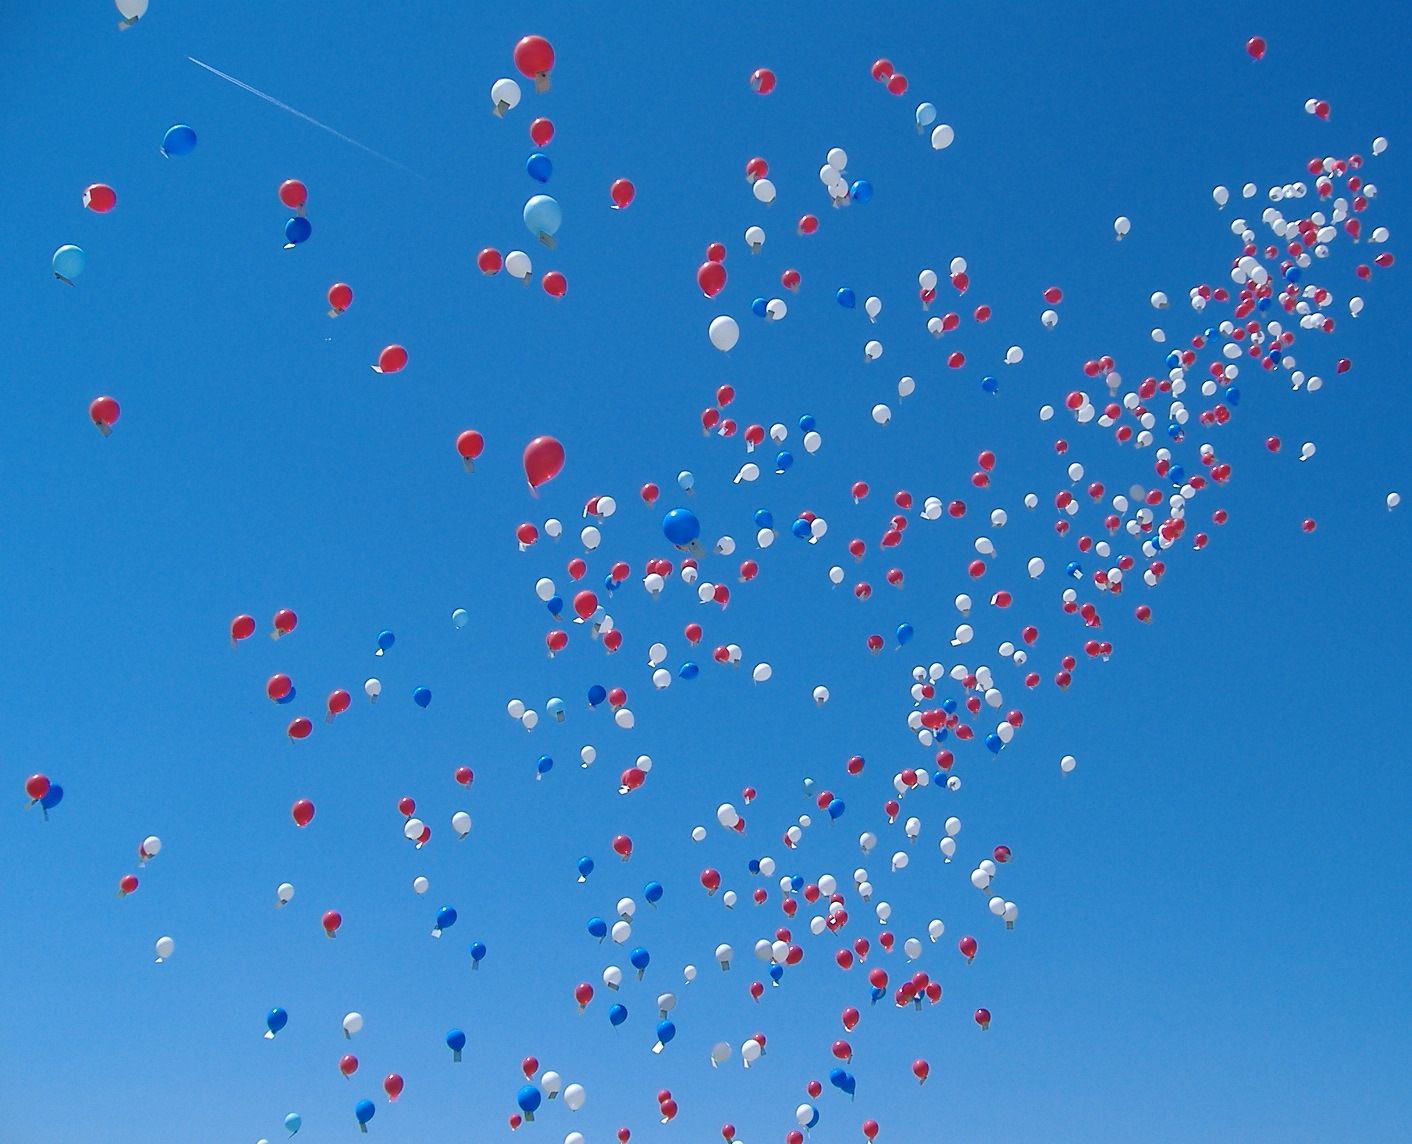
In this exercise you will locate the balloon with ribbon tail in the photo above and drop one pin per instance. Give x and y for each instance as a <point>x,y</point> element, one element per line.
<point>131,12</point>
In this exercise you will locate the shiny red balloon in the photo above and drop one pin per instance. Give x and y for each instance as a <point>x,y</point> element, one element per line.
<point>543,460</point>
<point>302,812</point>
<point>555,284</point>
<point>126,885</point>
<point>469,445</point>
<point>1255,47</point>
<point>762,81</point>
<point>285,621</point>
<point>299,728</point>
<point>391,359</point>
<point>534,58</point>
<point>99,198</point>
<point>711,278</point>
<point>241,628</point>
<point>622,192</point>
<point>331,920</point>
<point>541,131</point>
<point>392,1084</point>
<point>489,261</point>
<point>338,702</point>
<point>278,686</point>
<point>348,1065</point>
<point>293,194</point>
<point>104,413</point>
<point>340,297</point>
<point>37,786</point>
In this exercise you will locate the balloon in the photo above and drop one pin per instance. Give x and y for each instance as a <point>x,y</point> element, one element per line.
<point>132,11</point>
<point>762,81</point>
<point>477,952</point>
<point>421,696</point>
<point>99,198</point>
<point>364,1111</point>
<point>104,413</point>
<point>348,1064</point>
<point>543,216</point>
<point>292,1123</point>
<point>1255,47</point>
<point>68,263</point>
<point>340,297</point>
<point>164,947</point>
<point>275,1020</point>
<point>541,131</point>
<point>392,1084</point>
<point>534,59</point>
<point>179,140</point>
<point>372,688</point>
<point>504,96</point>
<point>1121,226</point>
<point>681,527</point>
<point>543,461</point>
<point>724,333</point>
<point>302,812</point>
<point>455,1041</point>
<point>539,167</point>
<point>666,1030</point>
<point>293,194</point>
<point>622,193</point>
<point>391,359</point>
<point>943,135</point>
<point>555,284</point>
<point>445,919</point>
<point>469,446</point>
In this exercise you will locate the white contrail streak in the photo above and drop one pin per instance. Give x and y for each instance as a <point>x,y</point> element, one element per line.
<point>296,112</point>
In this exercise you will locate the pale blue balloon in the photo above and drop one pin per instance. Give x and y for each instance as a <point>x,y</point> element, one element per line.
<point>68,263</point>
<point>543,216</point>
<point>460,618</point>
<point>293,1122</point>
<point>926,114</point>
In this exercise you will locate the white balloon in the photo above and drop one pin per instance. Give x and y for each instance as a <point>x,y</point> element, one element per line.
<point>284,894</point>
<point>764,191</point>
<point>163,948</point>
<point>882,414</point>
<point>1122,225</point>
<point>1068,763</point>
<point>372,688</point>
<point>612,977</point>
<point>518,265</point>
<point>906,386</point>
<point>755,238</point>
<point>574,1096</point>
<point>504,95</point>
<point>1014,355</point>
<point>724,333</point>
<point>872,307</point>
<point>821,695</point>
<point>762,672</point>
<point>412,828</point>
<point>620,932</point>
<point>420,885</point>
<point>461,823</point>
<point>1393,500</point>
<point>352,1023</point>
<point>943,135</point>
<point>544,588</point>
<point>838,159</point>
<point>549,1082</point>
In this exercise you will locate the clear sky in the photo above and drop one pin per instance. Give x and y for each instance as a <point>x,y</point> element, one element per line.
<point>1212,942</point>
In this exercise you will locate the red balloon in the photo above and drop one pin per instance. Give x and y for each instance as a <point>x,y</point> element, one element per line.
<point>340,297</point>
<point>338,703</point>
<point>1255,47</point>
<point>36,786</point>
<point>728,1132</point>
<point>669,1110</point>
<point>555,284</point>
<point>622,847</point>
<point>489,261</point>
<point>967,946</point>
<point>299,728</point>
<point>624,1135</point>
<point>465,776</point>
<point>556,641</point>
<point>762,81</point>
<point>650,493</point>
<point>278,686</point>
<point>541,131</point>
<point>794,1136</point>
<point>982,1018</point>
<point>332,919</point>
<point>622,193</point>
<point>756,168</point>
<point>406,806</point>
<point>534,57</point>
<point>921,1070</point>
<point>529,1066</point>
<point>104,413</point>
<point>470,445</point>
<point>285,622</point>
<point>293,194</point>
<point>711,278</point>
<point>348,1065</point>
<point>843,1050</point>
<point>126,885</point>
<point>882,70</point>
<point>99,198</point>
<point>716,252</point>
<point>870,1128</point>
<point>583,994</point>
<point>808,224</point>
<point>896,84</point>
<point>392,359</point>
<point>302,812</point>
<point>585,604</point>
<point>613,640</point>
<point>392,1085</point>
<point>526,534</point>
<point>543,460</point>
<point>241,628</point>
<point>711,880</point>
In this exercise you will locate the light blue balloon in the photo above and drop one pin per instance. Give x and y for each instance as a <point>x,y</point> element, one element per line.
<point>686,481</point>
<point>460,618</point>
<point>68,263</point>
<point>681,527</point>
<point>293,1122</point>
<point>538,167</point>
<point>179,140</point>
<point>543,215</point>
<point>926,114</point>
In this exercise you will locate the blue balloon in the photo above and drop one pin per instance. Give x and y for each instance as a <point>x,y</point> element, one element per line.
<point>844,1081</point>
<point>753,865</point>
<point>585,865</point>
<point>878,995</point>
<point>993,743</point>
<point>665,1032</point>
<point>288,696</point>
<point>598,928</point>
<point>846,298</point>
<point>610,585</point>
<point>1074,569</point>
<point>990,384</point>
<point>653,892</point>
<point>445,917</point>
<point>806,423</point>
<point>764,518</point>
<point>801,529</point>
<point>297,230</point>
<point>596,694</point>
<point>275,1020</point>
<point>688,671</point>
<point>757,307</point>
<point>639,958</point>
<point>836,809</point>
<point>862,191</point>
<point>455,1041</point>
<point>385,641</point>
<point>538,167</point>
<point>783,460</point>
<point>364,1110</point>
<point>422,696</point>
<point>776,972</point>
<point>1174,358</point>
<point>477,953</point>
<point>1233,396</point>
<point>68,263</point>
<point>904,634</point>
<point>293,1122</point>
<point>52,797</point>
<point>542,216</point>
<point>528,1098</point>
<point>681,527</point>
<point>617,1014</point>
<point>796,882</point>
<point>544,765</point>
<point>179,140</point>
<point>555,707</point>
<point>949,705</point>
<point>1177,475</point>
<point>460,618</point>
<point>1292,274</point>
<point>555,604</point>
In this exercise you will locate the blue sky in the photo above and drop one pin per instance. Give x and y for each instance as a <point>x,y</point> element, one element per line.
<point>1210,942</point>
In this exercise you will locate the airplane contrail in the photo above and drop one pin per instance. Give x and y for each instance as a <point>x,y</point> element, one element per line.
<point>296,112</point>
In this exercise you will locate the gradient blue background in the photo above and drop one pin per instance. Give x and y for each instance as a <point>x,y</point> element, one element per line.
<point>1212,941</point>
